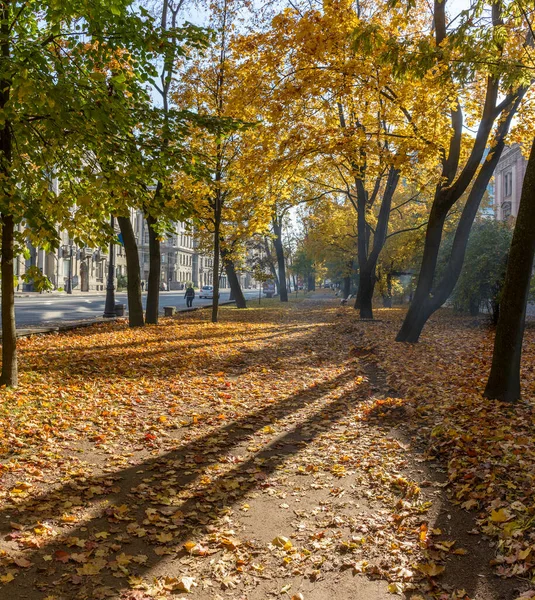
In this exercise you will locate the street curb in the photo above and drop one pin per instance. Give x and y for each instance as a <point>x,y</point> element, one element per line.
<point>56,294</point>
<point>194,308</point>
<point>22,333</point>
<point>25,332</point>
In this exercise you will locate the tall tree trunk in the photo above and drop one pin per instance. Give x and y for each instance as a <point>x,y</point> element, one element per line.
<point>364,298</point>
<point>279,251</point>
<point>153,283</point>
<point>271,264</point>
<point>135,306</point>
<point>347,286</point>
<point>215,277</point>
<point>368,260</point>
<point>428,298</point>
<point>419,310</point>
<point>311,286</point>
<point>387,298</point>
<point>217,251</point>
<point>362,239</point>
<point>504,379</point>
<point>236,292</point>
<point>9,375</point>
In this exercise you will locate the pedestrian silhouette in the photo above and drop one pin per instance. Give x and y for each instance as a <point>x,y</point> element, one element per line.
<point>189,295</point>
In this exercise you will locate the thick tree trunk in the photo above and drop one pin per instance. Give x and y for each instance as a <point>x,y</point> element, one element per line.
<point>279,251</point>
<point>311,285</point>
<point>217,253</point>
<point>428,298</point>
<point>9,375</point>
<point>235,287</point>
<point>419,310</point>
<point>135,306</point>
<point>271,264</point>
<point>365,294</point>
<point>504,379</point>
<point>153,284</point>
<point>236,292</point>
<point>387,297</point>
<point>347,286</point>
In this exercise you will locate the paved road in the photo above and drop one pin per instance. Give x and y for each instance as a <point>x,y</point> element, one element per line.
<point>42,309</point>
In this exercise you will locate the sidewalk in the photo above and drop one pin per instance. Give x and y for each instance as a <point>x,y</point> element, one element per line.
<point>55,293</point>
<point>56,326</point>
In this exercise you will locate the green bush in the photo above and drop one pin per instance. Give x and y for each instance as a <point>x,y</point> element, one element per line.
<point>481,280</point>
<point>122,282</point>
<point>40,282</point>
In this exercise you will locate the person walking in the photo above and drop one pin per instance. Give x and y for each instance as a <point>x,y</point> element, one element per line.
<point>189,295</point>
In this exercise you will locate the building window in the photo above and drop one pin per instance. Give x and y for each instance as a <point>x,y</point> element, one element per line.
<point>506,210</point>
<point>508,184</point>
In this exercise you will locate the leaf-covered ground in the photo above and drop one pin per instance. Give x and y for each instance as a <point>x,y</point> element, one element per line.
<point>488,447</point>
<point>261,457</point>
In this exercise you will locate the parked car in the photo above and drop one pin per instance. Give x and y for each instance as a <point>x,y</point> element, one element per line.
<point>207,291</point>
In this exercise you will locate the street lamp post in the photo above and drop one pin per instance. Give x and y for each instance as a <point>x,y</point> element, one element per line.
<point>69,278</point>
<point>169,268</point>
<point>109,308</point>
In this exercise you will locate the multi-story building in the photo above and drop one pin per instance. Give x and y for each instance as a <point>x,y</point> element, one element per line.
<point>181,261</point>
<point>83,267</point>
<point>508,179</point>
<point>86,269</point>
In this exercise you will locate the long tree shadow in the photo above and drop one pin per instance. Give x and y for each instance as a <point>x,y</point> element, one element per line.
<point>57,360</point>
<point>177,355</point>
<point>185,494</point>
<point>466,556</point>
<point>141,504</point>
<point>471,572</point>
<point>279,354</point>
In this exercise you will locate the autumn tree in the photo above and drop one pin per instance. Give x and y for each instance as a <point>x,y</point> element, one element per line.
<point>480,55</point>
<point>346,118</point>
<point>332,238</point>
<point>53,99</point>
<point>504,379</point>
<point>226,203</point>
<point>167,137</point>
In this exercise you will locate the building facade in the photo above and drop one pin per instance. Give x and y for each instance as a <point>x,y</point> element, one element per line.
<point>86,269</point>
<point>181,261</point>
<point>508,178</point>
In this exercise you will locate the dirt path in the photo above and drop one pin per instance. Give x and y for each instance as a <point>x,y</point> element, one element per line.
<point>254,464</point>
